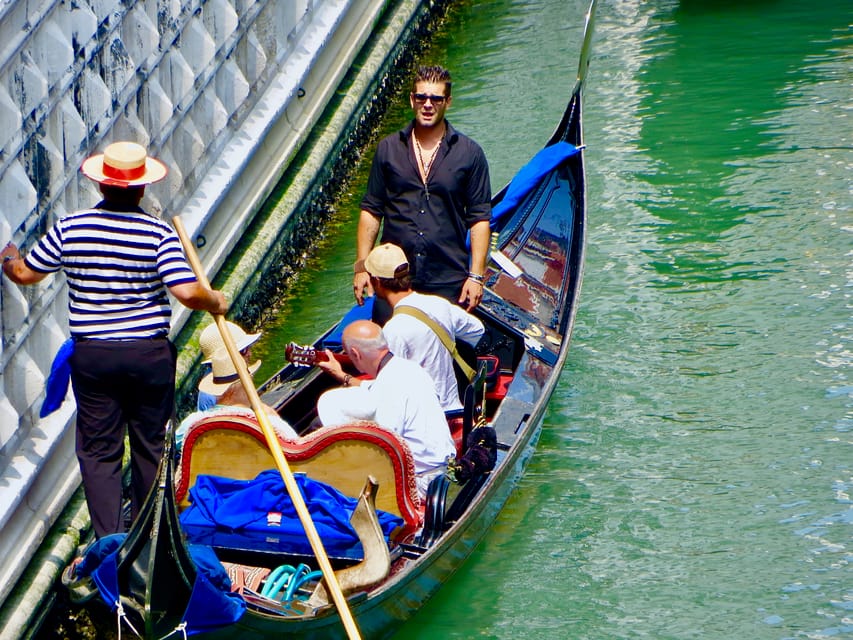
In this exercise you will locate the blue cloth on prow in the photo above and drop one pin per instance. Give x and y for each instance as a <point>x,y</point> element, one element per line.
<point>212,605</point>
<point>58,379</point>
<point>529,176</point>
<point>334,340</point>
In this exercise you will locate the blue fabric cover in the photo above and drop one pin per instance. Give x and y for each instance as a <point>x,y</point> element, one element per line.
<point>358,312</point>
<point>252,506</point>
<point>529,176</point>
<point>211,605</point>
<point>205,401</point>
<point>58,379</point>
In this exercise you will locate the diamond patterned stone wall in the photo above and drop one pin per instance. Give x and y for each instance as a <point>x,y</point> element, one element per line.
<point>185,78</point>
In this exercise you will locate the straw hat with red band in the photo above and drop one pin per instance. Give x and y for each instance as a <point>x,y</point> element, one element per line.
<point>124,164</point>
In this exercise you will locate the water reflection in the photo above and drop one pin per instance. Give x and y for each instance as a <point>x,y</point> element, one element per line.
<point>739,149</point>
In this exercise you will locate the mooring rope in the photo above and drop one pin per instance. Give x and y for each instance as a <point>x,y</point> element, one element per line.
<point>120,615</point>
<point>181,627</point>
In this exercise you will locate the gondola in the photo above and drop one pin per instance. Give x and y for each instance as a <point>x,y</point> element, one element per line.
<point>154,577</point>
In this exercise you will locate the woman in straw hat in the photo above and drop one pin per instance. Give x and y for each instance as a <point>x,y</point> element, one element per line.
<point>224,386</point>
<point>119,262</point>
<point>211,341</point>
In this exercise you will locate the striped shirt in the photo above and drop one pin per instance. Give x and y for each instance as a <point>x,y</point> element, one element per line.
<point>118,265</point>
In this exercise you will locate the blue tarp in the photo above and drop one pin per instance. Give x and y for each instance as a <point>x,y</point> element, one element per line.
<point>261,509</point>
<point>334,340</point>
<point>211,604</point>
<point>529,176</point>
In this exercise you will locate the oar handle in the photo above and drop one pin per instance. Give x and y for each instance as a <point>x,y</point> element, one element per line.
<point>273,444</point>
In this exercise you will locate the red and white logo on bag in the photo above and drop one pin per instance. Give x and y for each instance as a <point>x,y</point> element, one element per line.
<point>274,518</point>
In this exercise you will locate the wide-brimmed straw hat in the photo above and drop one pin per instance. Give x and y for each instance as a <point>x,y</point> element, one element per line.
<point>211,340</point>
<point>223,375</point>
<point>386,261</point>
<point>123,164</point>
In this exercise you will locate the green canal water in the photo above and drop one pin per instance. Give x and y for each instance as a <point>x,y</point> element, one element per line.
<point>694,474</point>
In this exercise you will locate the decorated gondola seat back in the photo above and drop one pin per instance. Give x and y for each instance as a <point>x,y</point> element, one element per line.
<point>341,456</point>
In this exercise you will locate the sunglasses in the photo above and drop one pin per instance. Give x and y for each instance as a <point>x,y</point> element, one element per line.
<point>421,98</point>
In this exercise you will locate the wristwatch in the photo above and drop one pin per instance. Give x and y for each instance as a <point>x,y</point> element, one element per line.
<point>358,267</point>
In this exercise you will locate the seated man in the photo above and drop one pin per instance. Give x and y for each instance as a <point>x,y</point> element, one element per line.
<point>400,397</point>
<point>411,338</point>
<point>211,341</point>
<point>223,384</point>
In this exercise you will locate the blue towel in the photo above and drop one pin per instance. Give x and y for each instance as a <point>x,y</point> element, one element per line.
<point>262,509</point>
<point>530,175</point>
<point>58,379</point>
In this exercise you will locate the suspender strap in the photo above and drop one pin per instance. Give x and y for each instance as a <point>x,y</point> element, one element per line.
<point>439,331</point>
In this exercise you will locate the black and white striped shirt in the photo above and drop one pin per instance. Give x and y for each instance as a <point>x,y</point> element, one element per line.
<point>118,265</point>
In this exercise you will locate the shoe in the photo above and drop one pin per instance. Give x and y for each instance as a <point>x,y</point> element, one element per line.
<point>80,589</point>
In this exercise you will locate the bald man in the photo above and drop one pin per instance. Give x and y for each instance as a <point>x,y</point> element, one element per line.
<point>400,397</point>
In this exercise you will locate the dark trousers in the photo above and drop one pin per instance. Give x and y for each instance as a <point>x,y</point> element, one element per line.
<point>121,386</point>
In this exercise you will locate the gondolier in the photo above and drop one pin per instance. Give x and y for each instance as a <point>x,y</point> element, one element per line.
<point>119,262</point>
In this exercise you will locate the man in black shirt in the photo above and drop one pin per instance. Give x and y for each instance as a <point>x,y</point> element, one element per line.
<point>428,189</point>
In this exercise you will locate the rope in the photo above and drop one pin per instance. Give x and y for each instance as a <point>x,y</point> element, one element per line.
<point>181,627</point>
<point>120,615</point>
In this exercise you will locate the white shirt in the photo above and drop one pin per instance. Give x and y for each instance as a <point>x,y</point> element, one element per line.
<point>410,338</point>
<point>401,399</point>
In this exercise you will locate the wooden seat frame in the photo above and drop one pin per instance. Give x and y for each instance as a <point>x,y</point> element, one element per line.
<point>234,446</point>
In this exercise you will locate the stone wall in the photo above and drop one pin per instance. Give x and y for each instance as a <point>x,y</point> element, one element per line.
<point>224,91</point>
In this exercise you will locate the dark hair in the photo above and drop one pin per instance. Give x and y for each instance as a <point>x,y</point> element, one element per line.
<point>433,74</point>
<point>400,282</point>
<point>122,195</point>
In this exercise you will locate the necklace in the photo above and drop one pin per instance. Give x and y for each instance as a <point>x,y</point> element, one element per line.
<point>427,164</point>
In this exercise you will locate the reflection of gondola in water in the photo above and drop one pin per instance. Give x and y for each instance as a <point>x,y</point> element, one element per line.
<point>162,585</point>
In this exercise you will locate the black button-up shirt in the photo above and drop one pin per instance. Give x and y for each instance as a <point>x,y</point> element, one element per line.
<point>430,221</point>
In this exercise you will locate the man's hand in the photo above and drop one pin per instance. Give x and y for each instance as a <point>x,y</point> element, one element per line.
<point>331,366</point>
<point>14,267</point>
<point>472,294</point>
<point>366,234</point>
<point>360,285</point>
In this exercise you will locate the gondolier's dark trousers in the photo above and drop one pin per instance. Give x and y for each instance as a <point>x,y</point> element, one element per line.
<point>121,386</point>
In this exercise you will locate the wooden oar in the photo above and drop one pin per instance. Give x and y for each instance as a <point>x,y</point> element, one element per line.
<point>273,444</point>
